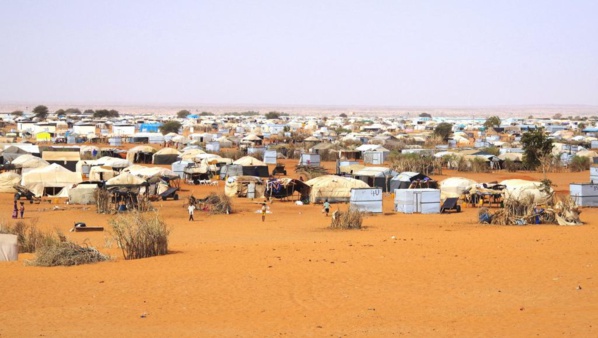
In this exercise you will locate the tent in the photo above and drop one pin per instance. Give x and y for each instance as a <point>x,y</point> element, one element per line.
<point>253,167</point>
<point>455,186</point>
<point>190,154</point>
<point>12,152</point>
<point>140,154</point>
<point>99,173</point>
<point>404,180</point>
<point>165,156</point>
<point>82,194</point>
<point>8,180</point>
<point>245,186</point>
<point>125,179</point>
<point>67,159</point>
<point>29,162</point>
<point>521,189</point>
<point>43,136</point>
<point>147,172</point>
<point>49,180</point>
<point>376,176</point>
<point>333,188</point>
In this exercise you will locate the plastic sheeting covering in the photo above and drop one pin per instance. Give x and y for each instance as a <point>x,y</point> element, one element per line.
<point>9,248</point>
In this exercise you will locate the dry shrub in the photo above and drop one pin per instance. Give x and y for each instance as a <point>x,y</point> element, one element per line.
<point>29,237</point>
<point>67,254</point>
<point>561,211</point>
<point>579,163</point>
<point>218,203</point>
<point>140,235</point>
<point>351,219</point>
<point>310,171</point>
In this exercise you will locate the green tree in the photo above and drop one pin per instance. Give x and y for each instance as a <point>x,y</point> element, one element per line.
<point>170,127</point>
<point>41,112</point>
<point>88,112</point>
<point>73,111</point>
<point>273,115</point>
<point>536,146</point>
<point>17,113</point>
<point>206,113</point>
<point>443,130</point>
<point>183,114</point>
<point>492,121</point>
<point>343,115</point>
<point>425,115</point>
<point>557,116</point>
<point>105,113</point>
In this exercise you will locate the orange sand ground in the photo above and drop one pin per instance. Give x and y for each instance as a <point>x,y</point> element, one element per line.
<point>232,275</point>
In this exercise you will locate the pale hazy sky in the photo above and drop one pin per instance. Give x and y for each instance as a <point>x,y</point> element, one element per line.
<point>380,53</point>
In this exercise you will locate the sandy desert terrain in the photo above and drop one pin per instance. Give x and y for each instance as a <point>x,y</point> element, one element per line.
<point>232,275</point>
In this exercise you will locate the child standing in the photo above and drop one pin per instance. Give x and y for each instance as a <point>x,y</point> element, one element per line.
<point>326,207</point>
<point>22,209</point>
<point>191,210</point>
<point>264,210</point>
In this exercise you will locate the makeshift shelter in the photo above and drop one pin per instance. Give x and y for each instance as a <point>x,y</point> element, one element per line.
<point>83,194</point>
<point>8,180</point>
<point>190,154</point>
<point>67,159</point>
<point>178,167</point>
<point>376,177</point>
<point>140,154</point>
<point>43,136</point>
<point>49,180</point>
<point>26,163</point>
<point>245,186</point>
<point>123,192</point>
<point>147,172</point>
<point>310,160</point>
<point>231,170</point>
<point>367,199</point>
<point>519,190</point>
<point>253,167</point>
<point>333,188</point>
<point>165,156</point>
<point>425,201</point>
<point>282,188</point>
<point>406,179</point>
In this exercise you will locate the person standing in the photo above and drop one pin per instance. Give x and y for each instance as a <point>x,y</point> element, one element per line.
<point>22,209</point>
<point>264,210</point>
<point>15,211</point>
<point>191,210</point>
<point>326,207</point>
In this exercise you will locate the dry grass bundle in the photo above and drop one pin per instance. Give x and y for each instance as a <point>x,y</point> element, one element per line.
<point>351,219</point>
<point>67,254</point>
<point>140,235</point>
<point>424,164</point>
<point>218,203</point>
<point>29,237</point>
<point>310,172</point>
<point>525,211</point>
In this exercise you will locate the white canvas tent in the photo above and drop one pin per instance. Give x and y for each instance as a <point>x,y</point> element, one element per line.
<point>8,180</point>
<point>53,176</point>
<point>455,186</point>
<point>520,189</point>
<point>29,162</point>
<point>82,194</point>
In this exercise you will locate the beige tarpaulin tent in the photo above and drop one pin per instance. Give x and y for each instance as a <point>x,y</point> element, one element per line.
<point>82,194</point>
<point>249,161</point>
<point>333,188</point>
<point>455,186</point>
<point>138,149</point>
<point>8,180</point>
<point>52,176</point>
<point>99,173</point>
<point>29,162</point>
<point>125,179</point>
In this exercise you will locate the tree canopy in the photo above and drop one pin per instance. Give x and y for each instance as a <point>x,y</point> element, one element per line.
<point>343,115</point>
<point>183,113</point>
<point>274,115</point>
<point>41,112</point>
<point>105,113</point>
<point>536,145</point>
<point>425,115</point>
<point>17,113</point>
<point>443,130</point>
<point>170,127</point>
<point>492,121</point>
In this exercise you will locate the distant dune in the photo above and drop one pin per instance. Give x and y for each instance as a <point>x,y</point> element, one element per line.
<point>502,111</point>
